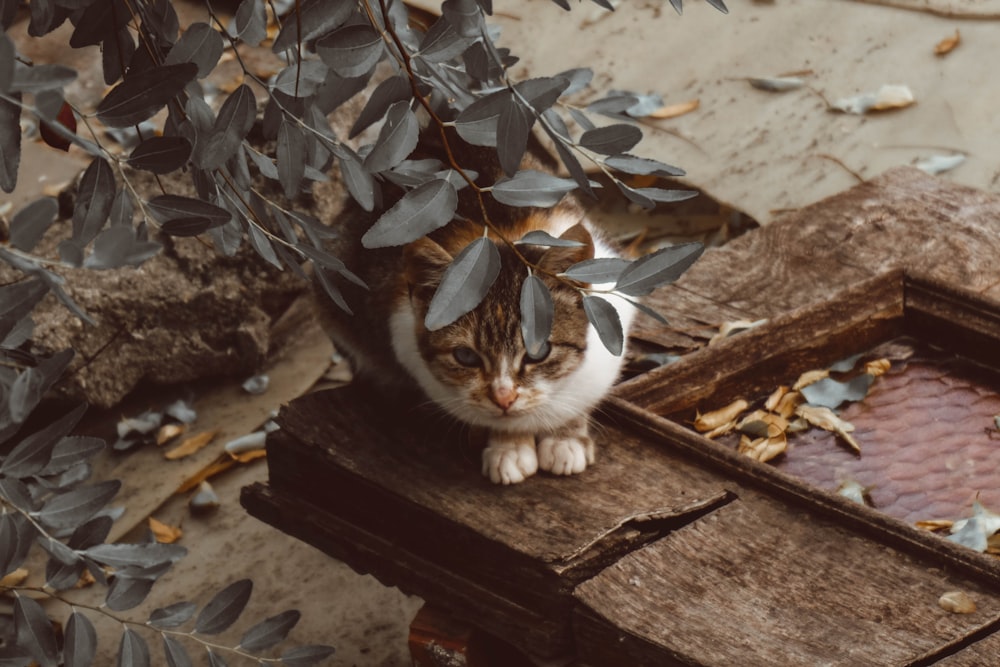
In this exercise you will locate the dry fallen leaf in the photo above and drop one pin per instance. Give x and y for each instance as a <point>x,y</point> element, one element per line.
<point>825,419</point>
<point>889,96</point>
<point>935,525</point>
<point>788,404</point>
<point>715,419</point>
<point>878,367</point>
<point>729,328</point>
<point>957,602</point>
<point>810,377</point>
<point>777,84</point>
<point>168,432</point>
<point>763,449</point>
<point>190,445</point>
<point>205,499</point>
<point>774,400</point>
<point>852,490</point>
<point>948,44</point>
<point>763,424</point>
<point>163,533</point>
<point>15,578</point>
<point>675,110</point>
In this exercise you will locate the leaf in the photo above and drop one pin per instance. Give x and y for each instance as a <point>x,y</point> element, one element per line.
<point>606,321</point>
<point>215,660</point>
<point>161,155</point>
<point>140,555</point>
<point>613,105</point>
<point>200,44</point>
<point>396,140</point>
<point>394,89</point>
<point>127,592</point>
<point>133,650</point>
<point>442,42</point>
<point>543,238</point>
<point>513,127</point>
<point>37,78</point>
<point>537,312</point>
<point>464,284</point>
<point>34,632</point>
<point>359,182</point>
<point>831,393</point>
<point>631,164</point>
<point>223,609</point>
<point>80,643</point>
<point>58,129</point>
<point>75,507</point>
<point>93,200</point>
<point>305,656</point>
<point>174,207</point>
<point>173,616</point>
<point>316,18</point>
<point>301,79</point>
<point>34,452</point>
<point>117,246</point>
<point>176,654</point>
<point>611,139</point>
<point>477,123</point>
<point>777,84</point>
<point>190,226</point>
<point>99,20</point>
<point>236,117</point>
<point>10,141</point>
<point>597,271</point>
<point>573,165</point>
<point>32,383</point>
<point>532,188</point>
<point>352,50</point>
<point>250,22</point>
<point>417,213</point>
<point>579,78</point>
<point>144,93</point>
<point>8,56</point>
<point>659,268</point>
<point>291,154</point>
<point>464,16</point>
<point>675,110</point>
<point>117,51</point>
<point>948,44</point>
<point>270,631</point>
<point>31,222</point>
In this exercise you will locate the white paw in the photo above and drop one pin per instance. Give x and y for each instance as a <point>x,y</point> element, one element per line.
<point>510,460</point>
<point>565,455</point>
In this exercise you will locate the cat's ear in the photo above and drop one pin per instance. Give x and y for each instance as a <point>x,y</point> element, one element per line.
<point>558,259</point>
<point>424,262</point>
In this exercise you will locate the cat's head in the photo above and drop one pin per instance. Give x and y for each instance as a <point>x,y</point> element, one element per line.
<point>478,369</point>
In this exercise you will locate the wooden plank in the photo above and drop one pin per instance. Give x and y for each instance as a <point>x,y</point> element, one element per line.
<point>976,654</point>
<point>758,360</point>
<point>693,319</point>
<point>759,582</point>
<point>416,485</point>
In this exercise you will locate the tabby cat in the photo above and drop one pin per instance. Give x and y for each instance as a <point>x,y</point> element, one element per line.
<point>535,408</point>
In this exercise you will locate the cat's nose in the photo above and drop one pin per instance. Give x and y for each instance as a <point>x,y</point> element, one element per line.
<point>503,396</point>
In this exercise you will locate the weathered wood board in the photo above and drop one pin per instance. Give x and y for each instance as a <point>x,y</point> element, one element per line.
<point>759,582</point>
<point>418,487</point>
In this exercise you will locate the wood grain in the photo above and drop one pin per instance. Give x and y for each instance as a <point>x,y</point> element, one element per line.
<point>759,582</point>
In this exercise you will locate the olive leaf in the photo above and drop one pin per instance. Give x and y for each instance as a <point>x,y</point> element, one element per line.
<point>464,284</point>
<point>270,631</point>
<point>831,393</point>
<point>597,271</point>
<point>133,650</point>
<point>315,17</point>
<point>75,507</point>
<point>513,128</point>
<point>161,155</point>
<point>31,222</point>
<point>94,196</point>
<point>477,123</point>
<point>173,616</point>
<point>250,22</point>
<point>418,213</point>
<point>200,44</point>
<point>10,141</point>
<point>223,609</point>
<point>611,139</point>
<point>351,50</point>
<point>305,656</point>
<point>34,632</point>
<point>605,319</point>
<point>396,140</point>
<point>118,246</point>
<point>542,238</point>
<point>236,117</point>
<point>394,89</point>
<point>175,653</point>
<point>174,207</point>
<point>144,93</point>
<point>537,312</point>
<point>630,164</point>
<point>291,154</point>
<point>529,187</point>
<point>80,643</point>
<point>656,269</point>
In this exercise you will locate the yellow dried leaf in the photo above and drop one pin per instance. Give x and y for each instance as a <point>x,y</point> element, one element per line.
<point>948,44</point>
<point>729,328</point>
<point>163,533</point>
<point>935,525</point>
<point>190,445</point>
<point>675,110</point>
<point>772,402</point>
<point>86,579</point>
<point>721,417</point>
<point>788,404</point>
<point>957,602</point>
<point>15,578</point>
<point>825,419</point>
<point>773,424</point>
<point>222,464</point>
<point>247,457</point>
<point>168,432</point>
<point>763,449</point>
<point>878,367</point>
<point>893,96</point>
<point>810,377</point>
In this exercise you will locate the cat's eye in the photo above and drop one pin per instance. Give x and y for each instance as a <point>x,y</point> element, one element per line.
<point>467,357</point>
<point>540,356</point>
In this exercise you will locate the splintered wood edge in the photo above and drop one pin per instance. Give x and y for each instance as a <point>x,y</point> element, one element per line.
<point>751,361</point>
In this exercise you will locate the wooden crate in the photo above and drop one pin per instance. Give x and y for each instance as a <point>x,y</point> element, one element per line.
<point>675,550</point>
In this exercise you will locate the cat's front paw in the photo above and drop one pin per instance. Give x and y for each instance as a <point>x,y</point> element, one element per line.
<point>565,454</point>
<point>510,459</point>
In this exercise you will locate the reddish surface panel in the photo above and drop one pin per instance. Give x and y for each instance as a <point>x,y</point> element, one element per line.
<point>927,436</point>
